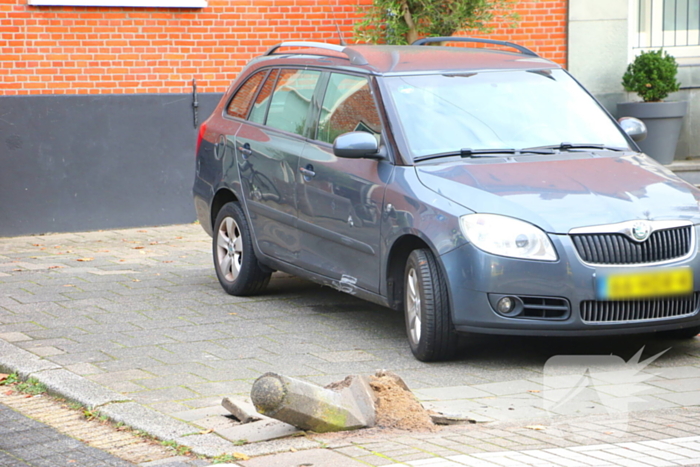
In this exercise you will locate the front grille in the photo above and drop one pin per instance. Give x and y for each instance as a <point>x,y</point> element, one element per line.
<point>639,310</point>
<point>616,248</point>
<point>544,308</point>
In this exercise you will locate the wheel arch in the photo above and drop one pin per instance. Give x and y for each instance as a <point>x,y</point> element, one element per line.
<point>396,263</point>
<point>222,196</point>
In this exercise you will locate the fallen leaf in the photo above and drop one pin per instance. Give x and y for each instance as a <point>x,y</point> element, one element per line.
<point>3,377</point>
<point>167,261</point>
<point>240,456</point>
<point>85,260</point>
<point>68,285</point>
<point>122,260</point>
<point>233,313</point>
<point>17,270</point>
<point>293,449</point>
<point>138,248</point>
<point>9,393</point>
<point>103,251</point>
<point>37,244</point>
<point>609,432</point>
<point>206,432</point>
<point>142,252</point>
<point>183,256</point>
<point>179,238</point>
<point>536,427</point>
<point>534,390</point>
<point>135,280</point>
<point>142,231</point>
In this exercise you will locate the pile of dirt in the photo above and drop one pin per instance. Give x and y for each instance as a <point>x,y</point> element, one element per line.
<point>397,407</point>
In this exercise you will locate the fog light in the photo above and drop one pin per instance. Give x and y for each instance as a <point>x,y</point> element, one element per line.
<point>505,305</point>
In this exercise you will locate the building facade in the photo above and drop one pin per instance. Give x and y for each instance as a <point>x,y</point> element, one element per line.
<point>605,36</point>
<point>100,100</point>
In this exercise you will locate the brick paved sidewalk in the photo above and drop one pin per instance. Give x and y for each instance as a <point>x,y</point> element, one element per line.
<point>139,312</point>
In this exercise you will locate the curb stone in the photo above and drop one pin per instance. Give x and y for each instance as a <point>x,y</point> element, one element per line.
<point>78,389</point>
<point>16,360</point>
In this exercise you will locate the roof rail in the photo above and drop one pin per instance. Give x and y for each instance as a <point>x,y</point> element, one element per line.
<point>355,57</point>
<point>431,40</point>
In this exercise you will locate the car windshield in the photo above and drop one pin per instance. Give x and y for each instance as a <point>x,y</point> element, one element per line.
<point>497,110</point>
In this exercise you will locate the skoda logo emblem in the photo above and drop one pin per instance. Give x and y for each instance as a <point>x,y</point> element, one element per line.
<point>641,231</point>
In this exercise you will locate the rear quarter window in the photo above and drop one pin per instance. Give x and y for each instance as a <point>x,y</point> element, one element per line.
<point>240,104</point>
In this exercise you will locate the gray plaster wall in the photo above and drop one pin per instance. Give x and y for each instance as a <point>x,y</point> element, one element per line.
<point>599,52</point>
<point>74,163</point>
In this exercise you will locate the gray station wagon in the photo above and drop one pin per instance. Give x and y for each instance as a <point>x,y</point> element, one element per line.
<point>479,190</point>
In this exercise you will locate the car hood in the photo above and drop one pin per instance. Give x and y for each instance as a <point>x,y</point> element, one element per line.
<point>561,192</point>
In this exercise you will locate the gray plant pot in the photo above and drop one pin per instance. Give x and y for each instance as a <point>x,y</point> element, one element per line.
<point>663,120</point>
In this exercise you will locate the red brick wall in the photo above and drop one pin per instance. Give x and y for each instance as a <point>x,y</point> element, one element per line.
<point>85,50</point>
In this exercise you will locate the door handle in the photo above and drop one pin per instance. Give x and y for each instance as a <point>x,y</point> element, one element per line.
<point>245,150</point>
<point>308,171</point>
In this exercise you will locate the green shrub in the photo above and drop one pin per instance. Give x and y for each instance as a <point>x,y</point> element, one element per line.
<point>652,75</point>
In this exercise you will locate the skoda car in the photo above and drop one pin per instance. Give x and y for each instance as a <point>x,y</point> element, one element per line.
<point>477,189</point>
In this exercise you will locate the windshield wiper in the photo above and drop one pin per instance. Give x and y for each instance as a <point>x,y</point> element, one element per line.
<point>484,153</point>
<point>569,146</point>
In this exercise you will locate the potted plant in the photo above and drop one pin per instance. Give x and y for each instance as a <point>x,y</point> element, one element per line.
<point>652,75</point>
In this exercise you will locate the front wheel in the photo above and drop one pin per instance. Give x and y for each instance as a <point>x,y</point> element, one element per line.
<point>429,326</point>
<point>237,268</point>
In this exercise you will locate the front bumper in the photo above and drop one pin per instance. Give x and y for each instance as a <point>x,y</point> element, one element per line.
<point>473,275</point>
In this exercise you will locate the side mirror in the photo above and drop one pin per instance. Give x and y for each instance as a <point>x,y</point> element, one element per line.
<point>356,145</point>
<point>635,128</point>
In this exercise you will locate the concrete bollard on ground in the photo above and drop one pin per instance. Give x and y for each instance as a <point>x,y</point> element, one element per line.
<point>347,405</point>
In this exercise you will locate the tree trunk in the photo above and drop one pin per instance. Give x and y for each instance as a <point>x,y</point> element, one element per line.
<point>412,34</point>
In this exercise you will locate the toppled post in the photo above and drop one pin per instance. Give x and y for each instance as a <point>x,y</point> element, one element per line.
<point>349,406</point>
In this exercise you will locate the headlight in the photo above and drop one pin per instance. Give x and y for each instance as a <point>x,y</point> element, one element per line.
<point>506,236</point>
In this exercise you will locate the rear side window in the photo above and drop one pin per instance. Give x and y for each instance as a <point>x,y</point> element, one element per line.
<point>240,104</point>
<point>291,100</point>
<point>257,115</point>
<point>347,106</point>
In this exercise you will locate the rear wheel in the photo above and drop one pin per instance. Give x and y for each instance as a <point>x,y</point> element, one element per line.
<point>429,326</point>
<point>237,268</point>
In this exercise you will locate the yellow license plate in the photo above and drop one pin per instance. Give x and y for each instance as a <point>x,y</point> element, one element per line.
<point>658,283</point>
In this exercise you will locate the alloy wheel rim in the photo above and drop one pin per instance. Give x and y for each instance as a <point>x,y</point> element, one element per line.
<point>229,249</point>
<point>413,307</point>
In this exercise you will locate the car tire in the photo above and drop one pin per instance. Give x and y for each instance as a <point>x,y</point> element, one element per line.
<point>431,334</point>
<point>236,265</point>
<point>687,333</point>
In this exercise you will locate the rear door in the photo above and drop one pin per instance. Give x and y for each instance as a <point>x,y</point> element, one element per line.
<point>268,147</point>
<point>340,200</point>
